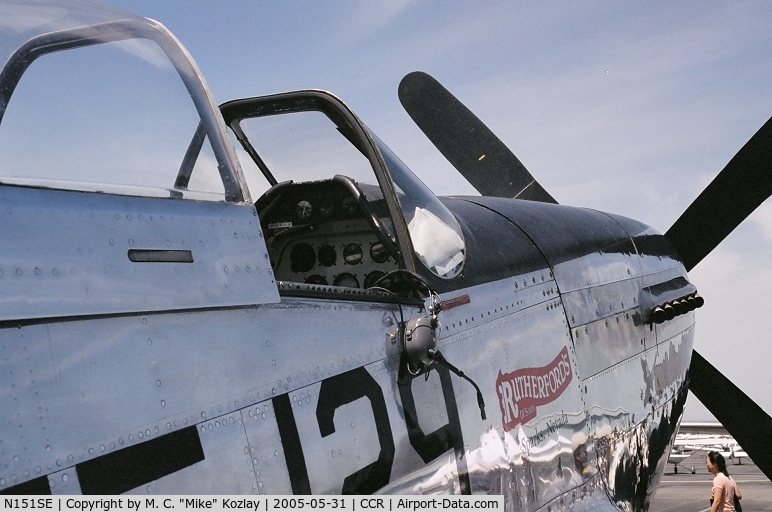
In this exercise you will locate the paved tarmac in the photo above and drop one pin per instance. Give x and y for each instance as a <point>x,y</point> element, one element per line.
<point>687,492</point>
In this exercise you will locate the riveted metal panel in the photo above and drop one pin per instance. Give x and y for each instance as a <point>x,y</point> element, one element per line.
<point>67,254</point>
<point>269,463</point>
<point>603,343</point>
<point>353,445</point>
<point>485,303</point>
<point>634,426</point>
<point>112,383</point>
<point>225,469</point>
<point>658,257</point>
<point>671,329</point>
<point>660,371</point>
<point>590,304</point>
<point>611,264</point>
<point>64,482</point>
<point>622,407</point>
<point>514,332</point>
<point>78,390</point>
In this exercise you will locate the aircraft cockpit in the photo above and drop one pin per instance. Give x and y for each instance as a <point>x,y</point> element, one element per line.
<point>326,233</point>
<point>338,209</point>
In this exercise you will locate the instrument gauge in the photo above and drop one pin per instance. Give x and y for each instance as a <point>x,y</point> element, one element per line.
<point>347,280</point>
<point>379,253</point>
<point>327,255</point>
<point>349,206</point>
<point>304,210</point>
<point>373,278</point>
<point>352,254</point>
<point>302,258</point>
<point>327,208</point>
<point>316,279</point>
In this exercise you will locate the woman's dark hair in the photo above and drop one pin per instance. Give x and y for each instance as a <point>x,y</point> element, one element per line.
<point>718,460</point>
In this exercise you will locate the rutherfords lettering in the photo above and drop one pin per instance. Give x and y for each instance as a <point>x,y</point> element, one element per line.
<point>521,391</point>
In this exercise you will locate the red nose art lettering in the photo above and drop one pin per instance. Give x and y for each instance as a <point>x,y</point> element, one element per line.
<point>521,391</point>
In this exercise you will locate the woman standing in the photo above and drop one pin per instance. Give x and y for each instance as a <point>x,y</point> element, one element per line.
<point>724,488</point>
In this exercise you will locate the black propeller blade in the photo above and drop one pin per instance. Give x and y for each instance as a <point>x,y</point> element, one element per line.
<point>466,142</point>
<point>735,193</point>
<point>740,188</point>
<point>747,422</point>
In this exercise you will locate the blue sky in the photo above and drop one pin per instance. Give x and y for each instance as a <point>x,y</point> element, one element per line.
<point>630,108</point>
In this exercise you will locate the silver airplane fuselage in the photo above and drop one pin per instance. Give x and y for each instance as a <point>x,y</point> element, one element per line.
<point>160,343</point>
<point>299,394</point>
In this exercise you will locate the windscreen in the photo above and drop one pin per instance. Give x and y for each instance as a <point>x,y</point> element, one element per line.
<point>300,146</point>
<point>434,231</point>
<point>294,137</point>
<point>307,146</point>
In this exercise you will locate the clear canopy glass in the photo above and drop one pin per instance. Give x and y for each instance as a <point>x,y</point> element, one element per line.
<point>95,98</point>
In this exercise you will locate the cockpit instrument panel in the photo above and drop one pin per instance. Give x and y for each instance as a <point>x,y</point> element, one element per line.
<point>317,233</point>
